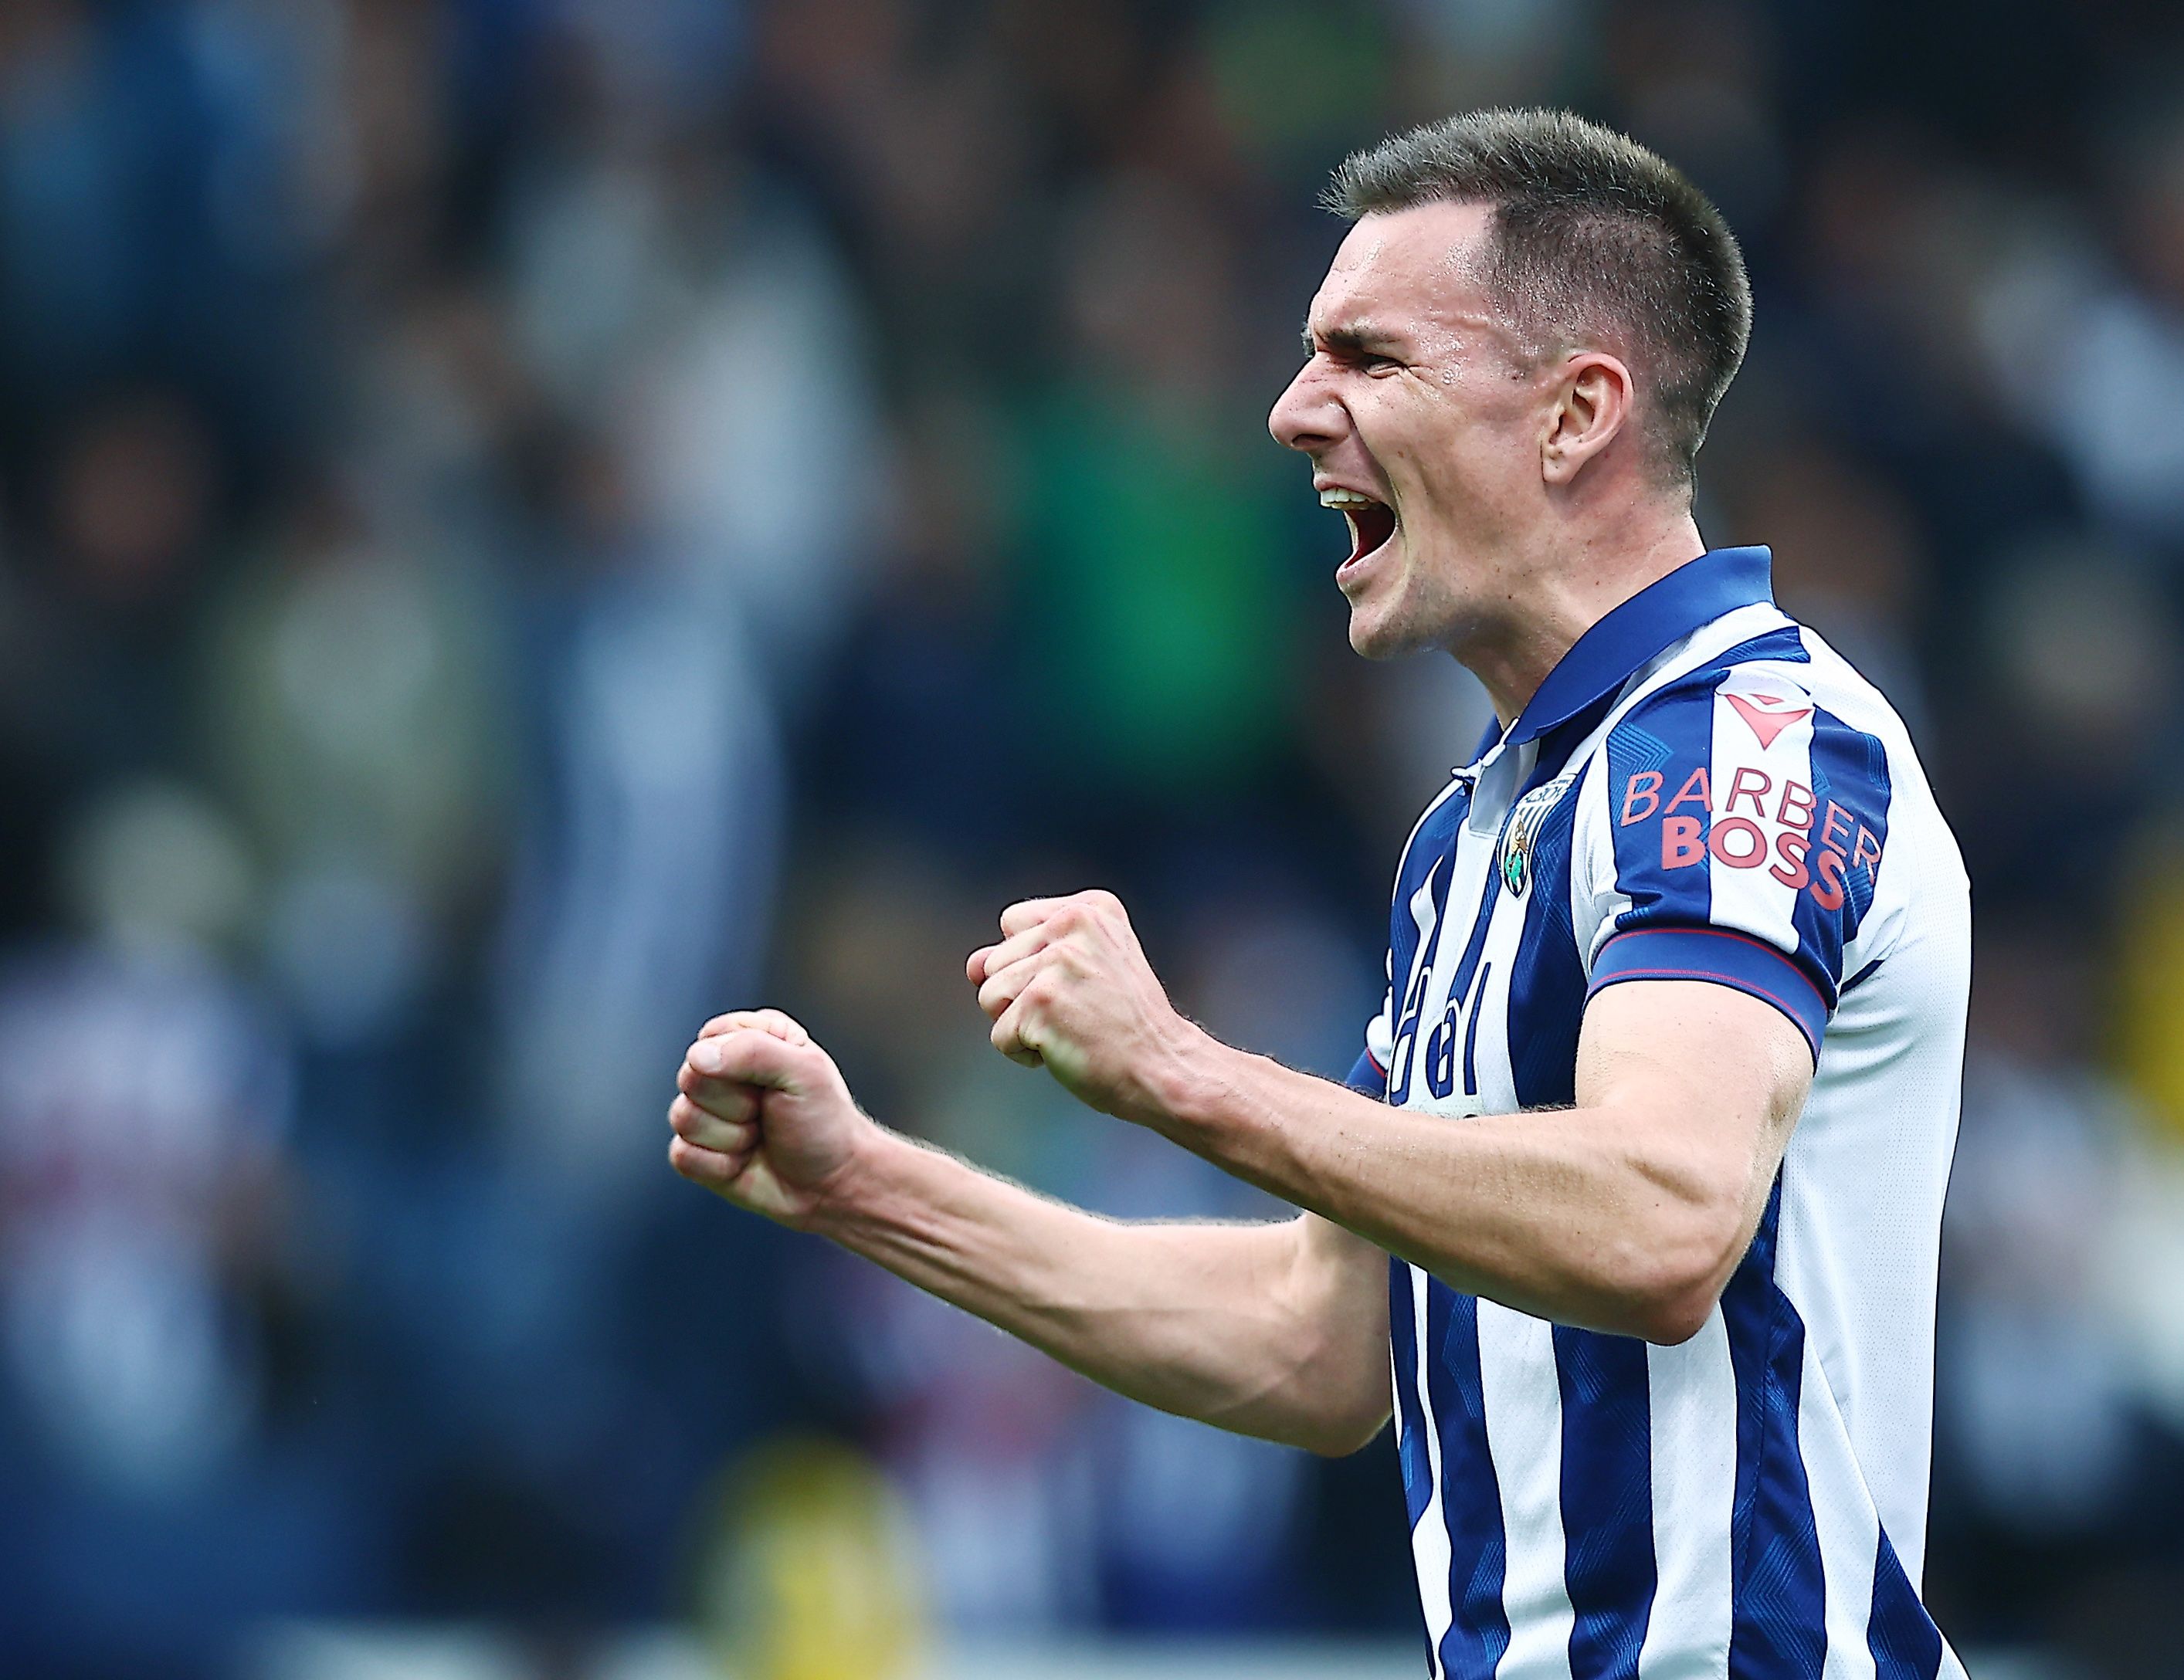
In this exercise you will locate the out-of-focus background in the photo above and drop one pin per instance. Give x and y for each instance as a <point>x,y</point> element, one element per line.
<point>525,522</point>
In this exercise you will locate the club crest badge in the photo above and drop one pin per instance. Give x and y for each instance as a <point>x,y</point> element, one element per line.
<point>1520,835</point>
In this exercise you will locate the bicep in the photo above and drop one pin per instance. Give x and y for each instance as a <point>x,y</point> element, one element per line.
<point>1710,1079</point>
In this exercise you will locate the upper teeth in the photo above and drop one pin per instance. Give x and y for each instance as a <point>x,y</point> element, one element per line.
<point>1345,498</point>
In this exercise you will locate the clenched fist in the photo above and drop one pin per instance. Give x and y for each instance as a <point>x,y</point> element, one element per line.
<point>1068,988</point>
<point>764,1118</point>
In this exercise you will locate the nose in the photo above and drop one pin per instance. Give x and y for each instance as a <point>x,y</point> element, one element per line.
<point>1306,415</point>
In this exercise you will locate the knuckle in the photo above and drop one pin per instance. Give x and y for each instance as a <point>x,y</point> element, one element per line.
<point>700,1091</point>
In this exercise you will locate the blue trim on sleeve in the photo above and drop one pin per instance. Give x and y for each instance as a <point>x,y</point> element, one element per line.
<point>1722,956</point>
<point>1368,1078</point>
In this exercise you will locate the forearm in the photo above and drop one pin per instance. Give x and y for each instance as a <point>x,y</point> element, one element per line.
<point>1228,1324</point>
<point>1561,1214</point>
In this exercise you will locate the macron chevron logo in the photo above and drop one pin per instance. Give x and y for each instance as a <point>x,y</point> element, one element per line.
<point>1768,714</point>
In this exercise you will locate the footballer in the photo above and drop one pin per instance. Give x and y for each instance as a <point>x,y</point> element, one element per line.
<point>1636,1187</point>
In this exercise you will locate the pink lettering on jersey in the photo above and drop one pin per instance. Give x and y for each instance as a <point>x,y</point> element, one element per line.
<point>1737,841</point>
<point>1680,845</point>
<point>1698,790</point>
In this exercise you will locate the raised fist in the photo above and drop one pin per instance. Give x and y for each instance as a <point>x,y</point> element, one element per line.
<point>1068,988</point>
<point>764,1118</point>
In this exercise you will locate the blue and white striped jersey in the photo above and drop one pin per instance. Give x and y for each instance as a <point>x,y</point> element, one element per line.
<point>1701,789</point>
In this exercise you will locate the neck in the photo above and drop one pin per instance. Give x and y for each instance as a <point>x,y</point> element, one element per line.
<point>1555,601</point>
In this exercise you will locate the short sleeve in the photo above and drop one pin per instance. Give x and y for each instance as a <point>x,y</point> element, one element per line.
<point>1737,834</point>
<point>1370,1074</point>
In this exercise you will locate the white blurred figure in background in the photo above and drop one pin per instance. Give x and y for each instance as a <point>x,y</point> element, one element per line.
<point>357,715</point>
<point>2088,344</point>
<point>144,1104</point>
<point>2035,1387</point>
<point>645,873</point>
<point>713,511</point>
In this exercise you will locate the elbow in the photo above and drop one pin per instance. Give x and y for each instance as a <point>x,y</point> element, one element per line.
<point>1339,1437</point>
<point>1673,1291</point>
<point>1348,1400</point>
<point>1670,1318</point>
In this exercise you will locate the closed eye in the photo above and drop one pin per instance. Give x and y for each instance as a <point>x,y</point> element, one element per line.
<point>1367,362</point>
<point>1350,349</point>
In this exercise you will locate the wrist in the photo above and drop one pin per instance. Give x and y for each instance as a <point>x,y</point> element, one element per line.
<point>1194,1088</point>
<point>854,1195</point>
<point>1232,1108</point>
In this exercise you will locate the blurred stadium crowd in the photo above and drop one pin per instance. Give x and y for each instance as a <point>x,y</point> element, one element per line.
<point>526,522</point>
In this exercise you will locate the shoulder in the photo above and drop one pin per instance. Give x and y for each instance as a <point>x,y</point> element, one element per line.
<point>1766,699</point>
<point>1760,784</point>
<point>1760,650</point>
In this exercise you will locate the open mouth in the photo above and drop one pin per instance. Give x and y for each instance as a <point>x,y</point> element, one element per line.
<point>1371,523</point>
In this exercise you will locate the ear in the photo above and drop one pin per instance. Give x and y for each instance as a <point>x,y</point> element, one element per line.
<point>1591,404</point>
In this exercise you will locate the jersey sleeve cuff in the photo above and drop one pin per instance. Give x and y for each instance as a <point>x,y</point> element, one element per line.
<point>1721,957</point>
<point>1368,1078</point>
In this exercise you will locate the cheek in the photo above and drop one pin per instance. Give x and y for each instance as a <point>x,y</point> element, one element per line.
<point>1481,472</point>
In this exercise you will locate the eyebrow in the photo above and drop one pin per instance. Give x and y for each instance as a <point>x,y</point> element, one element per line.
<point>1348,341</point>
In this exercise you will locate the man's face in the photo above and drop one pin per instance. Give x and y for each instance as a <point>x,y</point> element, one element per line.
<point>1424,416</point>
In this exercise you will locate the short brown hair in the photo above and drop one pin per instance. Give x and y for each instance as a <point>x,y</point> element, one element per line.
<point>1592,232</point>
